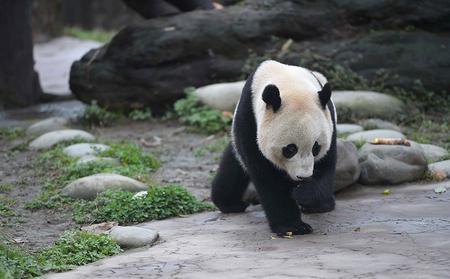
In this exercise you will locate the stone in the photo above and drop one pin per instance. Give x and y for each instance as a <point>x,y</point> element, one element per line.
<point>141,194</point>
<point>91,159</point>
<point>90,186</point>
<point>46,125</point>
<point>434,153</point>
<point>51,139</point>
<point>84,149</point>
<point>221,96</point>
<point>440,167</point>
<point>365,104</point>
<point>344,128</point>
<point>376,123</point>
<point>391,164</point>
<point>133,237</point>
<point>347,166</point>
<point>367,136</point>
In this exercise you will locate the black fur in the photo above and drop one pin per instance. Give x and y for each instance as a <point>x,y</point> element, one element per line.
<point>271,96</point>
<point>325,95</point>
<point>278,194</point>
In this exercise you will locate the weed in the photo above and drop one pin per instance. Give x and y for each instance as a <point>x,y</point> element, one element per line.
<point>201,118</point>
<point>58,170</point>
<point>94,115</point>
<point>217,145</point>
<point>140,115</point>
<point>94,35</point>
<point>5,207</point>
<point>11,133</point>
<point>6,187</point>
<point>75,248</point>
<point>121,206</point>
<point>15,263</point>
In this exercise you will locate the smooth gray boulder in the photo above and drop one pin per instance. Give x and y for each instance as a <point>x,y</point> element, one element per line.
<point>90,186</point>
<point>133,237</point>
<point>434,153</point>
<point>366,104</point>
<point>51,139</point>
<point>221,96</point>
<point>376,123</point>
<point>84,149</point>
<point>440,167</point>
<point>367,136</point>
<point>391,164</point>
<point>347,167</point>
<point>91,159</point>
<point>344,128</point>
<point>46,125</point>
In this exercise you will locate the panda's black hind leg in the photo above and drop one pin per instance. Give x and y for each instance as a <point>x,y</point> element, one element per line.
<point>230,184</point>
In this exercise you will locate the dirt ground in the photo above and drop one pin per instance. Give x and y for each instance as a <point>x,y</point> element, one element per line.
<point>178,151</point>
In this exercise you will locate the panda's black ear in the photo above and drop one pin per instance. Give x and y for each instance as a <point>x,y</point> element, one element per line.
<point>325,95</point>
<point>271,96</point>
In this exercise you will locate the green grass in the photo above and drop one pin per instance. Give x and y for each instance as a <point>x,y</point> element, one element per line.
<point>16,263</point>
<point>57,170</point>
<point>200,118</point>
<point>95,115</point>
<point>160,202</point>
<point>74,248</point>
<point>94,35</point>
<point>11,133</point>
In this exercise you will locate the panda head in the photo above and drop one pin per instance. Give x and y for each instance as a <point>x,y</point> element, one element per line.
<point>294,124</point>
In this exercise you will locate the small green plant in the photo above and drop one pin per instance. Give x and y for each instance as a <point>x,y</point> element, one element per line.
<point>140,115</point>
<point>75,248</point>
<point>16,263</point>
<point>57,170</point>
<point>201,118</point>
<point>11,133</point>
<point>217,145</point>
<point>94,35</point>
<point>121,206</point>
<point>6,187</point>
<point>94,115</point>
<point>6,207</point>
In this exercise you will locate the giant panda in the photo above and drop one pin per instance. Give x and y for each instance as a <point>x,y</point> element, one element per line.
<point>283,140</point>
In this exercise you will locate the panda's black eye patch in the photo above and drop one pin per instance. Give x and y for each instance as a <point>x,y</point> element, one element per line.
<point>290,150</point>
<point>316,149</point>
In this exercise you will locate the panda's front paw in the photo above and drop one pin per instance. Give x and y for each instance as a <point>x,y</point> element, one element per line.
<point>299,229</point>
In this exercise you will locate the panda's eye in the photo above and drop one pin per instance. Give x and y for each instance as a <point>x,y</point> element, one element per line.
<point>316,149</point>
<point>290,150</point>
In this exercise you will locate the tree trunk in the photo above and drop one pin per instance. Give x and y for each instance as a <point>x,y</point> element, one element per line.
<point>150,64</point>
<point>19,84</point>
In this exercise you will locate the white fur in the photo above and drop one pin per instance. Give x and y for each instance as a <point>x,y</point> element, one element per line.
<point>300,120</point>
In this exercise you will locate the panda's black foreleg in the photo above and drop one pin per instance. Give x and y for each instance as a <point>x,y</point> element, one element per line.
<point>316,194</point>
<point>282,211</point>
<point>229,184</point>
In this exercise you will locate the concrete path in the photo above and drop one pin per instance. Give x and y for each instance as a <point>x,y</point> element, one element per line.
<point>369,235</point>
<point>54,59</point>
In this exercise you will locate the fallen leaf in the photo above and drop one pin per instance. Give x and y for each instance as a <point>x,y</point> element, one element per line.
<point>386,192</point>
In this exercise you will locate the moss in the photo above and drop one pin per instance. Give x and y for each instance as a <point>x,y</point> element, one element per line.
<point>94,35</point>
